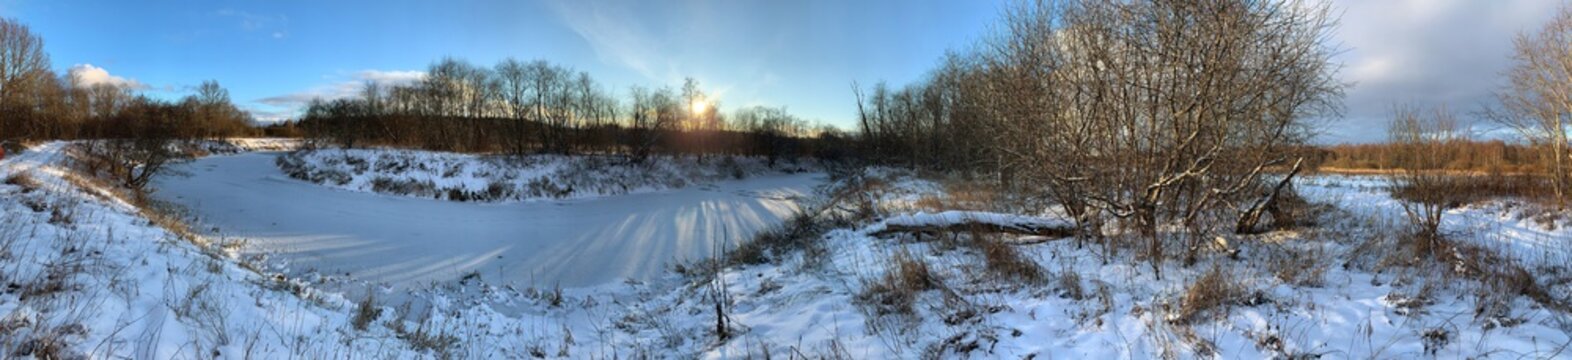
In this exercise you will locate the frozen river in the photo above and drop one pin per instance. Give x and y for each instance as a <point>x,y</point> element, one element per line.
<point>407,241</point>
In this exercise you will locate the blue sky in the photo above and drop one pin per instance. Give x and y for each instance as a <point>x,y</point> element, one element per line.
<point>273,54</point>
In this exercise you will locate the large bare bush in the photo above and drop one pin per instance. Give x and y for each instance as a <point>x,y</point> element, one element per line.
<point>1152,112</point>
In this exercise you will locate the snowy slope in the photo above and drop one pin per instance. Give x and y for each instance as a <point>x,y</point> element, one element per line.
<point>100,281</point>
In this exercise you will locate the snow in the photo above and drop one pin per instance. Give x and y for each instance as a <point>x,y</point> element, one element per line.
<point>107,284</point>
<point>1347,312</point>
<point>409,242</point>
<point>132,290</point>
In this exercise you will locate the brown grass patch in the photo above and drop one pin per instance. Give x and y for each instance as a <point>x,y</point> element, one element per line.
<point>1005,260</point>
<point>896,292</point>
<point>960,194</point>
<point>1299,268</point>
<point>23,180</point>
<point>366,311</point>
<point>1208,294</point>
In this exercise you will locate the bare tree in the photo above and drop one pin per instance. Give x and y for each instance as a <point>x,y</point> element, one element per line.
<point>770,131</point>
<point>23,65</point>
<point>514,84</point>
<point>1537,101</point>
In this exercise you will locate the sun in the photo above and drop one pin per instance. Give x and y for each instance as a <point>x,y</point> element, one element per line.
<point>699,106</point>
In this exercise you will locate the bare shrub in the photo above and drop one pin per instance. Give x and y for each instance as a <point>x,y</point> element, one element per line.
<point>294,164</point>
<point>408,187</point>
<point>1419,140</point>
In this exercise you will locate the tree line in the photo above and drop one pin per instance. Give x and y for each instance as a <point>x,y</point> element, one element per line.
<point>526,107</point>
<point>37,103</point>
<point>1459,153</point>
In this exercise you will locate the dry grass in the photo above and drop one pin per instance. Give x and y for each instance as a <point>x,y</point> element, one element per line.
<point>804,231</point>
<point>896,292</point>
<point>962,195</point>
<point>23,180</point>
<point>1299,267</point>
<point>1209,294</point>
<point>425,336</point>
<point>1069,283</point>
<point>366,311</point>
<point>49,343</point>
<point>1005,261</point>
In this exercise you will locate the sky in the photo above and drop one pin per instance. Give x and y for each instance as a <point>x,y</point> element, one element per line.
<point>274,56</point>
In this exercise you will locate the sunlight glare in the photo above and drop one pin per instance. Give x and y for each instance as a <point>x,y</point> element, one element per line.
<point>699,106</point>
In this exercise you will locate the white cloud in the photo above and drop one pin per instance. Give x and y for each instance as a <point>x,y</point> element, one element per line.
<point>89,75</point>
<point>286,106</point>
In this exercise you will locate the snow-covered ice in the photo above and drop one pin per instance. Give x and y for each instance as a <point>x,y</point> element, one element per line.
<point>408,241</point>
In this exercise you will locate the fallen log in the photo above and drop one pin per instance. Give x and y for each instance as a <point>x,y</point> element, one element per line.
<point>1267,203</point>
<point>975,221</point>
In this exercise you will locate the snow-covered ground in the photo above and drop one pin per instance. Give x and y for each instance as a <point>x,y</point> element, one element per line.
<point>493,178</point>
<point>312,229</point>
<point>1319,292</point>
<point>132,290</point>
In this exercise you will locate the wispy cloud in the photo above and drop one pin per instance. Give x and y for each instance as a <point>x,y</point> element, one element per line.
<point>286,106</point>
<point>87,74</point>
<point>274,25</point>
<point>615,33</point>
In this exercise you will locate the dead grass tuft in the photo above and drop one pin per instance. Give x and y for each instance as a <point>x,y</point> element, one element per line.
<point>23,180</point>
<point>1005,260</point>
<point>366,311</point>
<point>1070,284</point>
<point>425,336</point>
<point>896,293</point>
<point>1209,294</point>
<point>1299,267</point>
<point>960,194</point>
